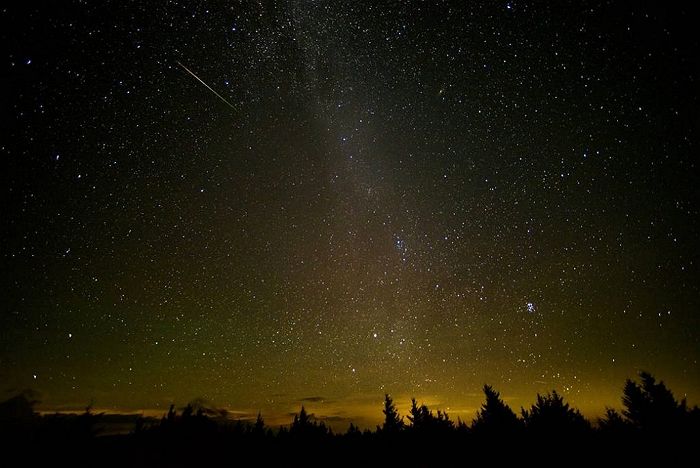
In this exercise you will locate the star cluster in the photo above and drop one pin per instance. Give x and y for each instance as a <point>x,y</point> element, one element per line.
<point>403,197</point>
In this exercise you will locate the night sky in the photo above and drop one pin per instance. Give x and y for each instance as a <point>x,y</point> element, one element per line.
<point>357,198</point>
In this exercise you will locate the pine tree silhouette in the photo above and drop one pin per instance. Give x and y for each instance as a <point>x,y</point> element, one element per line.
<point>651,406</point>
<point>651,418</point>
<point>393,423</point>
<point>188,412</point>
<point>301,420</point>
<point>424,421</point>
<point>304,427</point>
<point>417,415</point>
<point>495,417</point>
<point>353,431</point>
<point>259,426</point>
<point>613,424</point>
<point>551,416</point>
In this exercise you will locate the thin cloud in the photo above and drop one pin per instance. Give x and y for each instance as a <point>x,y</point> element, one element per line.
<point>313,399</point>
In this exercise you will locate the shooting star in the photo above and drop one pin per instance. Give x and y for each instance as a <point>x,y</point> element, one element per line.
<point>208,87</point>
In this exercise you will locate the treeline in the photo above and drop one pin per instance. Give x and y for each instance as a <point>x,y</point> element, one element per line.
<point>652,423</point>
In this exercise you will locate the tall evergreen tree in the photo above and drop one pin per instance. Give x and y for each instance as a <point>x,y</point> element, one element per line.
<point>651,405</point>
<point>550,415</point>
<point>495,416</point>
<point>259,427</point>
<point>613,423</point>
<point>393,423</point>
<point>424,421</point>
<point>301,420</point>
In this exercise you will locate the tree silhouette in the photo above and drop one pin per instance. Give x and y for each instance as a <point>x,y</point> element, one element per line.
<point>551,416</point>
<point>462,427</point>
<point>303,426</point>
<point>18,408</point>
<point>418,416</point>
<point>85,425</point>
<point>18,420</point>
<point>393,423</point>
<point>301,420</point>
<point>651,406</point>
<point>259,426</point>
<point>188,412</point>
<point>495,417</point>
<point>353,432</point>
<point>169,419</point>
<point>424,421</point>
<point>651,418</point>
<point>613,423</point>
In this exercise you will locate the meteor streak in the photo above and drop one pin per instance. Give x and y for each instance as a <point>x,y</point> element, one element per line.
<point>208,87</point>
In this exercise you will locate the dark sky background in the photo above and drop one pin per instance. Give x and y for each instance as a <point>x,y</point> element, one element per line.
<point>406,197</point>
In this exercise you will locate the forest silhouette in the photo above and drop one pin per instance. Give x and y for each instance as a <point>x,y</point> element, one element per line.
<point>652,424</point>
